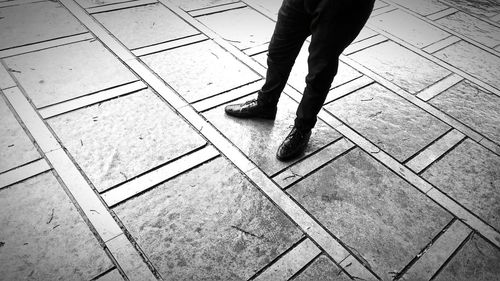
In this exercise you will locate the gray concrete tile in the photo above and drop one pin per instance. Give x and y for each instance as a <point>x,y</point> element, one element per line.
<point>469,174</point>
<point>322,269</point>
<point>200,70</point>
<point>15,146</point>
<point>389,121</point>
<point>95,3</point>
<point>43,236</point>
<point>473,60</point>
<point>374,212</point>
<point>30,23</point>
<point>58,74</point>
<point>422,7</point>
<point>482,8</point>
<point>250,30</point>
<point>260,139</point>
<point>409,28</point>
<point>472,27</point>
<point>119,139</point>
<point>208,224</point>
<point>472,106</point>
<point>477,260</point>
<point>145,25</point>
<point>188,5</point>
<point>397,64</point>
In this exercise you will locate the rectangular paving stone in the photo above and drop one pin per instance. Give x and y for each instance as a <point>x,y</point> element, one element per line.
<point>473,60</point>
<point>470,175</point>
<point>271,6</point>
<point>208,224</point>
<point>472,27</point>
<point>145,25</point>
<point>260,139</point>
<point>16,147</point>
<point>95,3</point>
<point>477,260</point>
<point>472,106</point>
<point>322,269</point>
<point>409,28</point>
<point>35,22</point>
<point>378,215</point>
<point>249,30</point>
<point>189,5</point>
<point>389,121</point>
<point>120,139</point>
<point>482,8</point>
<point>65,72</point>
<point>200,70</point>
<point>43,236</point>
<point>397,64</point>
<point>422,7</point>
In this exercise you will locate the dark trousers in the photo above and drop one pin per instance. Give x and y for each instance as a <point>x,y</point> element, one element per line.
<point>333,24</point>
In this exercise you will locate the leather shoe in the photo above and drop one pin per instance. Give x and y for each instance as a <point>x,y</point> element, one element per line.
<point>294,144</point>
<point>251,109</point>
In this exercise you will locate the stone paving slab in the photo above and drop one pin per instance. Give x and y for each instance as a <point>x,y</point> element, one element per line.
<point>145,25</point>
<point>189,5</point>
<point>58,74</point>
<point>374,212</point>
<point>35,22</point>
<point>95,3</point>
<point>422,7</point>
<point>43,236</point>
<point>271,6</point>
<point>482,8</point>
<point>477,260</point>
<point>208,224</point>
<point>15,146</point>
<point>321,269</point>
<point>249,30</point>
<point>472,106</point>
<point>473,60</point>
<point>200,70</point>
<point>397,64</point>
<point>260,139</point>
<point>119,139</point>
<point>470,175</point>
<point>392,123</point>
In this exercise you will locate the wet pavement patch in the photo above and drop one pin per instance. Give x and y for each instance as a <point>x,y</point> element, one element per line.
<point>379,216</point>
<point>397,64</point>
<point>15,146</point>
<point>259,139</point>
<point>472,106</point>
<point>36,22</point>
<point>43,235</point>
<point>200,70</point>
<point>145,25</point>
<point>470,175</point>
<point>251,28</point>
<point>210,223</point>
<point>58,74</point>
<point>476,260</point>
<point>119,139</point>
<point>389,121</point>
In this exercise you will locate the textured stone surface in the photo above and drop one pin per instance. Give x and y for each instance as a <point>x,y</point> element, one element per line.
<point>198,4</point>
<point>322,269</point>
<point>389,121</point>
<point>122,138</point>
<point>477,260</point>
<point>478,30</point>
<point>272,6</point>
<point>15,146</point>
<point>95,3</point>
<point>145,25</point>
<point>43,236</point>
<point>200,70</point>
<point>373,211</point>
<point>423,7</point>
<point>249,30</point>
<point>208,224</point>
<point>397,64</point>
<point>483,8</point>
<point>472,106</point>
<point>473,60</point>
<point>260,139</point>
<point>409,28</point>
<point>69,71</point>
<point>470,175</point>
<point>30,23</point>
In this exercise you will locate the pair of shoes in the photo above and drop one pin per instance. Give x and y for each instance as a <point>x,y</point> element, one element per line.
<point>294,144</point>
<point>251,109</point>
